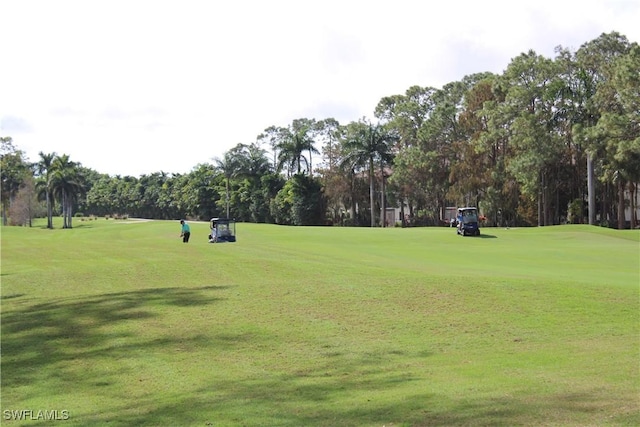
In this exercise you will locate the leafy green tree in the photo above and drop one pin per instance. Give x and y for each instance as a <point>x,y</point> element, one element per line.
<point>335,180</point>
<point>594,68</point>
<point>101,198</point>
<point>619,126</point>
<point>89,177</point>
<point>127,196</point>
<point>273,136</point>
<point>178,194</point>
<point>626,81</point>
<point>406,114</point>
<point>160,193</point>
<point>308,202</point>
<point>243,167</point>
<point>253,164</point>
<point>270,184</point>
<point>532,86</point>
<point>480,166</point>
<point>199,192</point>
<point>281,205</point>
<point>446,141</point>
<point>300,202</point>
<point>14,169</point>
<point>412,168</point>
<point>170,193</point>
<point>149,191</point>
<point>329,132</point>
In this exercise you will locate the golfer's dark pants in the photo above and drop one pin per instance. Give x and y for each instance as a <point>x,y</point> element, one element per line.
<point>185,237</point>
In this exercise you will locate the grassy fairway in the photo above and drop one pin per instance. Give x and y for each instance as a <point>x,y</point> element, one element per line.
<point>122,324</point>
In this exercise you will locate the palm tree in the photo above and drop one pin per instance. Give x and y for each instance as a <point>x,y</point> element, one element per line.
<point>43,168</point>
<point>257,163</point>
<point>290,155</point>
<point>65,183</point>
<point>251,165</point>
<point>293,142</point>
<point>366,145</point>
<point>306,129</point>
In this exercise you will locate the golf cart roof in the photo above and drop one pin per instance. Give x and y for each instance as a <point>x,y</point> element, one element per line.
<point>222,220</point>
<point>468,208</point>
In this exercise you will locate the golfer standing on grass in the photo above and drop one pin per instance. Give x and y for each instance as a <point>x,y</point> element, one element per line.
<point>186,231</point>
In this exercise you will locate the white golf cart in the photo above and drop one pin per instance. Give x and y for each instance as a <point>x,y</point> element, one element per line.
<point>222,230</point>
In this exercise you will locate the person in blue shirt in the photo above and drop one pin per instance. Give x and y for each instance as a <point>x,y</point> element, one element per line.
<point>185,232</point>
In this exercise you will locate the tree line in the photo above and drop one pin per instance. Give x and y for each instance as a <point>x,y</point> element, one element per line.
<point>548,141</point>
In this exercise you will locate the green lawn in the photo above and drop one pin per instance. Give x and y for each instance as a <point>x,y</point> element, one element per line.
<point>119,323</point>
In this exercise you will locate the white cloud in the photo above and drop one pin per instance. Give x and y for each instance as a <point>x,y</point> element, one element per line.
<point>135,87</point>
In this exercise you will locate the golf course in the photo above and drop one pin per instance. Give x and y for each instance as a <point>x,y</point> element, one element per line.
<point>120,323</point>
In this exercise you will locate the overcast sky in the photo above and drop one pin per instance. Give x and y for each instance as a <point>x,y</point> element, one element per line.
<point>132,87</point>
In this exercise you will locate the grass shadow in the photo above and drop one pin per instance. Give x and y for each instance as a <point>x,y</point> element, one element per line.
<point>341,388</point>
<point>487,236</point>
<point>38,337</point>
<point>11,296</point>
<point>317,399</point>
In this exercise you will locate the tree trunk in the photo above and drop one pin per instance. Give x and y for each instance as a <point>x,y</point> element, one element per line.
<point>591,191</point>
<point>352,211</point>
<point>383,211</point>
<point>63,203</point>
<point>540,207</point>
<point>49,211</point>
<point>371,195</point>
<point>633,189</point>
<point>556,212</point>
<point>547,205</point>
<point>227,196</point>
<point>621,219</point>
<point>70,212</point>
<point>352,201</point>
